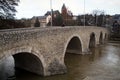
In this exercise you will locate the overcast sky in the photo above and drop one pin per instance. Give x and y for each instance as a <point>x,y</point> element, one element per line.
<point>30,8</point>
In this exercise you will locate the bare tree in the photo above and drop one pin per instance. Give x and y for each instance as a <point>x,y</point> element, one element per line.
<point>98,17</point>
<point>7,8</point>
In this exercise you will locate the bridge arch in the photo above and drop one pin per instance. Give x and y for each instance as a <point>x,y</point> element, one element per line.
<point>27,59</point>
<point>73,45</point>
<point>92,40</point>
<point>105,37</point>
<point>29,62</point>
<point>101,38</point>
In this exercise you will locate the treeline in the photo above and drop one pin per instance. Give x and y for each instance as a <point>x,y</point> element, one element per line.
<point>7,13</point>
<point>88,20</point>
<point>9,23</point>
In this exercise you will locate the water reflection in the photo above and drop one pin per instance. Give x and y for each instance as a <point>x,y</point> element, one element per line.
<point>7,68</point>
<point>101,63</point>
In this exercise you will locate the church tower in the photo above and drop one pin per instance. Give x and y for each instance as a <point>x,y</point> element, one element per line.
<point>64,10</point>
<point>66,14</point>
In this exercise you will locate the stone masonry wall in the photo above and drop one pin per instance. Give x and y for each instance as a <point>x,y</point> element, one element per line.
<point>48,44</point>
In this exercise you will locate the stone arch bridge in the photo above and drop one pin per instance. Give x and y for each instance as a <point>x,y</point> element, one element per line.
<point>42,50</point>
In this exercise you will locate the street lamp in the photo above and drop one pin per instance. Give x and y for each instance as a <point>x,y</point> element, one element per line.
<point>51,11</point>
<point>84,13</point>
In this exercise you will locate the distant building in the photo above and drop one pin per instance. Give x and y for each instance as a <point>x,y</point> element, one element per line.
<point>42,19</point>
<point>55,14</point>
<point>108,21</point>
<point>117,18</point>
<point>116,24</point>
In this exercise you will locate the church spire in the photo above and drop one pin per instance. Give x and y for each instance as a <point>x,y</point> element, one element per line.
<point>63,7</point>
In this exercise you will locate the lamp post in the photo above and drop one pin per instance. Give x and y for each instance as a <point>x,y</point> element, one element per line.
<point>84,13</point>
<point>51,11</point>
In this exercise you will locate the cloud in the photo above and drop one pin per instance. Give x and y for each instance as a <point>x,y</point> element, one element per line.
<point>29,8</point>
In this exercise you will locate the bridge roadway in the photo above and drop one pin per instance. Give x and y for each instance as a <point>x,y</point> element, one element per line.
<point>42,50</point>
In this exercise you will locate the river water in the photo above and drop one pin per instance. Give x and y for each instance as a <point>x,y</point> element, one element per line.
<point>102,63</point>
